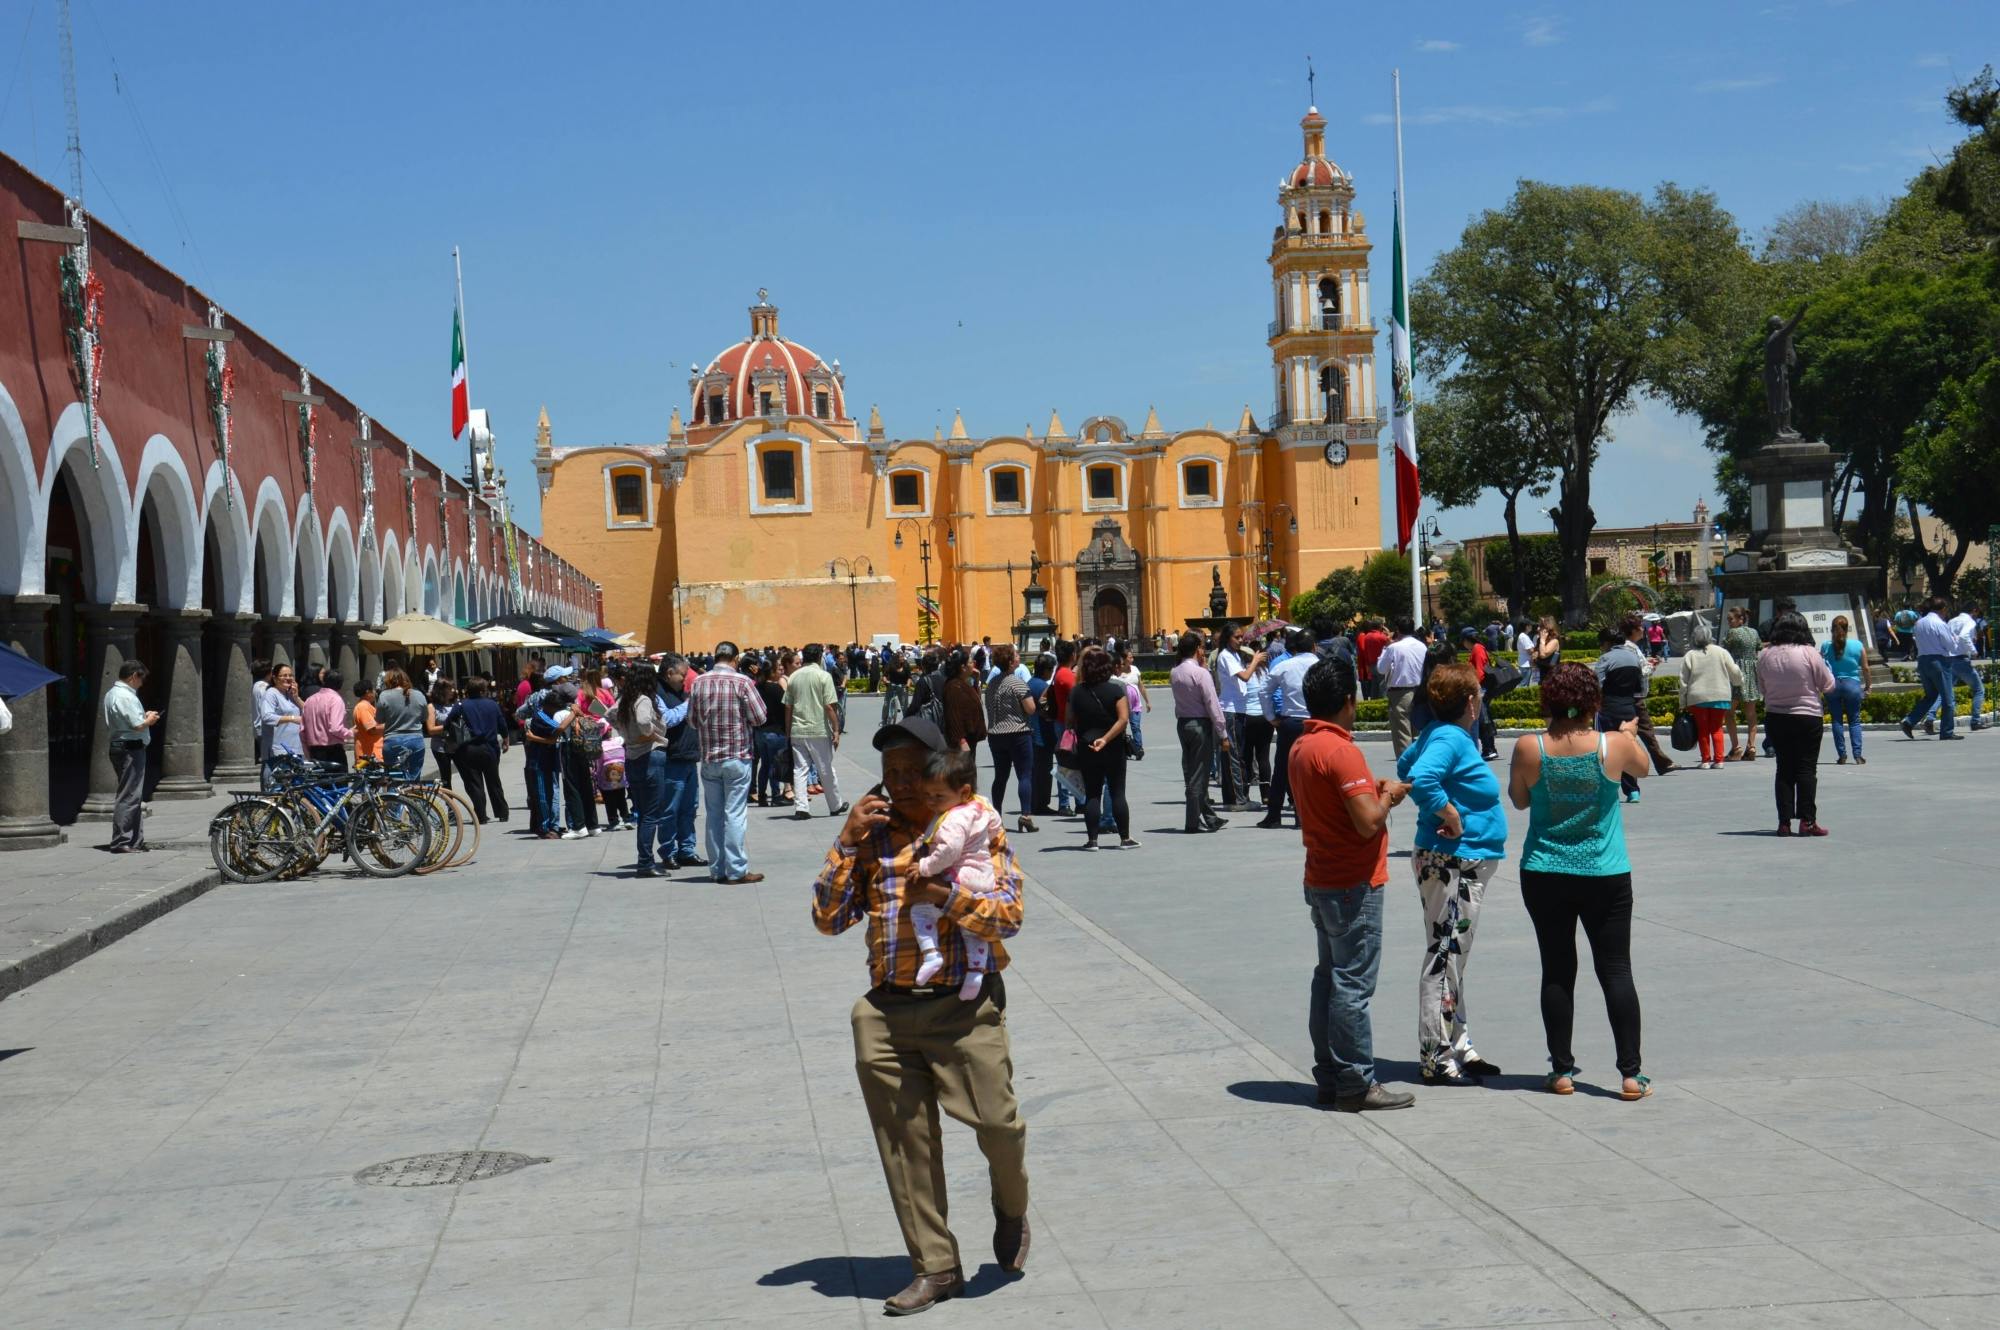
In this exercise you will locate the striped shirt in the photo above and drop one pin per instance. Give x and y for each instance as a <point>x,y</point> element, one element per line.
<point>868,884</point>
<point>725,707</point>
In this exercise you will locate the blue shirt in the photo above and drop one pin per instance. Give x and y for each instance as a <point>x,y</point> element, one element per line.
<point>1847,664</point>
<point>1443,767</point>
<point>1288,693</point>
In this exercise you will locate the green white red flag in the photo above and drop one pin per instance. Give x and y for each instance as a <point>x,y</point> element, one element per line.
<point>461,400</point>
<point>1403,408</point>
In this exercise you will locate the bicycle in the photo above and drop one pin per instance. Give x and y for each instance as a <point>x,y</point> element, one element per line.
<point>290,829</point>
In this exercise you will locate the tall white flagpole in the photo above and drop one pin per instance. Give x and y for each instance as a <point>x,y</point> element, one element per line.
<point>1402,295</point>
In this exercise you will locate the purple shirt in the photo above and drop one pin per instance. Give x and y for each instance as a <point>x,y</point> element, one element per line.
<point>1792,678</point>
<point>1194,692</point>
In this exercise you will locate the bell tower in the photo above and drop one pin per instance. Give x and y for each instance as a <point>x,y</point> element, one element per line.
<point>1322,336</point>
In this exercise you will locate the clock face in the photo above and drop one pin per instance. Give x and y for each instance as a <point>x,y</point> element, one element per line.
<point>1336,453</point>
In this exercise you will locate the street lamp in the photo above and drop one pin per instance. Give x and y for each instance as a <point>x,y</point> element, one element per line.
<point>1428,531</point>
<point>858,566</point>
<point>1267,545</point>
<point>924,553</point>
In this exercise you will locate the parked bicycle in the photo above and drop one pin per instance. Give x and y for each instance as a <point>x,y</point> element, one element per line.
<point>378,824</point>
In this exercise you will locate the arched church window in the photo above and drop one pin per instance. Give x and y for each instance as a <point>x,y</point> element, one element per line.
<point>1333,393</point>
<point>1329,304</point>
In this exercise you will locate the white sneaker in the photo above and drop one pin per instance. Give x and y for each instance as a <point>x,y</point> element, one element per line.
<point>573,833</point>
<point>592,832</point>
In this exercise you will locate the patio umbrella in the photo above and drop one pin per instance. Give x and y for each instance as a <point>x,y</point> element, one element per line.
<point>535,625</point>
<point>507,637</point>
<point>604,635</point>
<point>417,632</point>
<point>1259,631</point>
<point>19,674</point>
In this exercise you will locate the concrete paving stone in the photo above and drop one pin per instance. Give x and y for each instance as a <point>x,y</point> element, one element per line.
<point>1979,1312</point>
<point>843,1314</point>
<point>318,1215</point>
<point>1530,1187</point>
<point>1862,1314</point>
<point>1110,1158</point>
<point>1921,1165</point>
<point>338,1288</point>
<point>1631,1226</point>
<point>1916,1265</point>
<point>156,1230</point>
<point>1836,1128</point>
<point>1454,1150</point>
<point>1877,1212</point>
<point>1791,1171</point>
<point>739,1244</point>
<point>571,1126</point>
<point>1391,1201</point>
<point>1274,1302</point>
<point>1270,1149</point>
<point>1413,1299</point>
<point>571,1279</point>
<point>798,1189</point>
<point>1176,1247</point>
<point>1322,1247</point>
<point>111,1296</point>
<point>1755,1096</point>
<point>1195,1084</point>
<point>1978,1201</point>
<point>1662,1282</point>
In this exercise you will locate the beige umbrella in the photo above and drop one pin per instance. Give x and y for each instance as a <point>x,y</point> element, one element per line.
<point>417,632</point>
<point>497,637</point>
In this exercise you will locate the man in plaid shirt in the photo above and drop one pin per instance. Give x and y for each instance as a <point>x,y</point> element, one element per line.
<point>724,707</point>
<point>919,1048</point>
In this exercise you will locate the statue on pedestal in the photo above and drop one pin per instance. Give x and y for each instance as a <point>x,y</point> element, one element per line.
<point>1778,361</point>
<point>1218,599</point>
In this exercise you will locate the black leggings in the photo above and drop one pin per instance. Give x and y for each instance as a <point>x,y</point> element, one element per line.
<point>479,763</point>
<point>1795,739</point>
<point>1102,771</point>
<point>1557,902</point>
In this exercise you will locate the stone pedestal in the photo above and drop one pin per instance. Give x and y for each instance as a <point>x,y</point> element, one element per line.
<point>285,641</point>
<point>111,637</point>
<point>24,750</point>
<point>179,732</point>
<point>236,749</point>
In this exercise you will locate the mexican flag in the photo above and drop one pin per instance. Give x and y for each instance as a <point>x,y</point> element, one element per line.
<point>1403,408</point>
<point>461,401</point>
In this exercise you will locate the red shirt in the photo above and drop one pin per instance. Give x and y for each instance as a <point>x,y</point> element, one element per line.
<point>1479,661</point>
<point>1326,771</point>
<point>1059,690</point>
<point>1368,647</point>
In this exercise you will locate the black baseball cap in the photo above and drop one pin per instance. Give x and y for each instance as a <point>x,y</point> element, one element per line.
<point>917,728</point>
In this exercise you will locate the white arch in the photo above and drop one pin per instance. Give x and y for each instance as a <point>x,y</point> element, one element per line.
<point>461,602</point>
<point>271,534</point>
<point>392,577</point>
<point>232,530</point>
<point>413,580</point>
<point>107,510</point>
<point>23,567</point>
<point>309,553</point>
<point>345,603</point>
<point>369,589</point>
<point>163,476</point>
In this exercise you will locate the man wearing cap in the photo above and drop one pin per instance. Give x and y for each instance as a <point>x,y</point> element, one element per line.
<point>725,708</point>
<point>919,1048</point>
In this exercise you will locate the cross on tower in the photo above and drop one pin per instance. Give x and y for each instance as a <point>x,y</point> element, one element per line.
<point>1311,98</point>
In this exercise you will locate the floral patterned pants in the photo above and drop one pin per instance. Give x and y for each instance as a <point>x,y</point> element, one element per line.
<point>1451,889</point>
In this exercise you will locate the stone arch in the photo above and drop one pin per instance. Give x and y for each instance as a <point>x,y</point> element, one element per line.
<point>433,597</point>
<point>21,539</point>
<point>101,503</point>
<point>392,577</point>
<point>226,555</point>
<point>413,579</point>
<point>1648,597</point>
<point>309,559</point>
<point>270,553</point>
<point>176,526</point>
<point>344,597</point>
<point>461,609</point>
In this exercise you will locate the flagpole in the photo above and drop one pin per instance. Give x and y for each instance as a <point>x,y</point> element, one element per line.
<point>471,450</point>
<point>1416,532</point>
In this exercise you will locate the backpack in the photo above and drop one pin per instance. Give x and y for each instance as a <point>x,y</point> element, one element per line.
<point>457,733</point>
<point>927,700</point>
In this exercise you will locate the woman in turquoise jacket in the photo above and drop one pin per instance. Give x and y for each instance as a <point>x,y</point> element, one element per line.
<point>1461,838</point>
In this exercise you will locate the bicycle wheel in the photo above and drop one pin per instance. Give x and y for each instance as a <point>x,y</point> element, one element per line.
<point>468,830</point>
<point>253,841</point>
<point>445,832</point>
<point>388,836</point>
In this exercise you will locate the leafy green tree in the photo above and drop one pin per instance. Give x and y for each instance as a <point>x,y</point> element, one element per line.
<point>1458,600</point>
<point>1338,597</point>
<point>1385,584</point>
<point>1474,440</point>
<point>1579,299</point>
<point>1951,465</point>
<point>1538,567</point>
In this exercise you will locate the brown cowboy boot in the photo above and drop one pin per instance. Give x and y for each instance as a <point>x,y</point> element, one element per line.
<point>1010,1242</point>
<point>925,1291</point>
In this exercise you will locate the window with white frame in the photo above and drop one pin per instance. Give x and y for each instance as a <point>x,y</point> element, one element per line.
<point>1103,485</point>
<point>628,497</point>
<point>1007,489</point>
<point>1201,483</point>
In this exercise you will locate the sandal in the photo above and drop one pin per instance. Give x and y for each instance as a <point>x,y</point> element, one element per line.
<point>1630,1095</point>
<point>1560,1082</point>
<point>1735,754</point>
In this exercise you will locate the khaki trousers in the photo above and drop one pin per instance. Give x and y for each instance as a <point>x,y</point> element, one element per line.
<point>913,1058</point>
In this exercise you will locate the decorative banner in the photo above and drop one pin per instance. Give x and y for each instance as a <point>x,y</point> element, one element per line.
<point>308,435</point>
<point>221,397</point>
<point>83,322</point>
<point>367,451</point>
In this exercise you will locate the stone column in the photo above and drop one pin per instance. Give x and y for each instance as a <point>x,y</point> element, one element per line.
<point>110,639</point>
<point>313,644</point>
<point>347,652</point>
<point>24,750</point>
<point>284,641</point>
<point>236,750</point>
<point>179,732</point>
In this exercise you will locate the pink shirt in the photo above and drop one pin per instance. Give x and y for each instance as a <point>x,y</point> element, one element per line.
<point>323,720</point>
<point>960,846</point>
<point>1793,679</point>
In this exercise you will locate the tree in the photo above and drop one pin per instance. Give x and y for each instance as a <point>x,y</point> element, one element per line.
<point>1821,231</point>
<point>1338,596</point>
<point>1952,466</point>
<point>1458,600</point>
<point>1473,440</point>
<point>1385,584</point>
<point>1536,570</point>
<point>1579,298</point>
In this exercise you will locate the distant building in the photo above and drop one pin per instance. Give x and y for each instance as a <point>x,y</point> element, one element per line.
<point>1665,556</point>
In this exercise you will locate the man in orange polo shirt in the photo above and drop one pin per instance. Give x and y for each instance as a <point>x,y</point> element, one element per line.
<point>1344,819</point>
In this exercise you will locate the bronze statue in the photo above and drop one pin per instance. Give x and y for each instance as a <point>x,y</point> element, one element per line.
<point>1218,599</point>
<point>1778,361</point>
<point>1034,568</point>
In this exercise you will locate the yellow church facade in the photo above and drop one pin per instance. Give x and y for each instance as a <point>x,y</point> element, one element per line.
<point>771,515</point>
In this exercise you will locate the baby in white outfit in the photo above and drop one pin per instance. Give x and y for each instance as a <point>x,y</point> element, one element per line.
<point>957,848</point>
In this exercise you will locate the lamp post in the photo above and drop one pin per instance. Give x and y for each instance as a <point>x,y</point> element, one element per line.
<point>1267,544</point>
<point>858,566</point>
<point>929,619</point>
<point>1428,531</point>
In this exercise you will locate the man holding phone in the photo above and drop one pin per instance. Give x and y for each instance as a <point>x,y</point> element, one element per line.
<point>130,727</point>
<point>917,1047</point>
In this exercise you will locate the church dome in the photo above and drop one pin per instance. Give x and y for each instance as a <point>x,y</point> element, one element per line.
<point>1316,171</point>
<point>767,375</point>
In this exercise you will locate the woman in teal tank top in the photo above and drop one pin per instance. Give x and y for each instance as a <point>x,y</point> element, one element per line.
<point>1573,865</point>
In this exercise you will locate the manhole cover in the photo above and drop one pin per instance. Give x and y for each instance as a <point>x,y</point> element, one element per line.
<point>447,1169</point>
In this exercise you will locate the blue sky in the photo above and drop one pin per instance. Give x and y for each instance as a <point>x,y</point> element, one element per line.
<point>999,209</point>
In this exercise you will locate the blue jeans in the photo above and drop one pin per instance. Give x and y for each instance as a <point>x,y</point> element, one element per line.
<point>545,784</point>
<point>403,754</point>
<point>726,786</point>
<point>1843,712</point>
<point>1965,671</point>
<point>683,784</point>
<point>1934,672</point>
<point>1015,751</point>
<point>1349,924</point>
<point>646,774</point>
<point>769,762</point>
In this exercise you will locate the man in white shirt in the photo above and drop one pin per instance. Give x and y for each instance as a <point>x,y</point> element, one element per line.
<point>1962,667</point>
<point>1402,669</point>
<point>1233,670</point>
<point>1524,652</point>
<point>1288,699</point>
<point>1936,645</point>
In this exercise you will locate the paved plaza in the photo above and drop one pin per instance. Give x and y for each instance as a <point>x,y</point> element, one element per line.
<point>182,1113</point>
